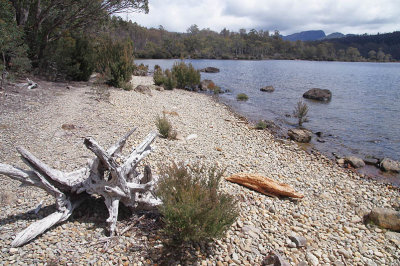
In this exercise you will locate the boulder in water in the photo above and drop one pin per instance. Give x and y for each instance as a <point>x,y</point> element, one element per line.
<point>390,165</point>
<point>318,95</point>
<point>210,70</point>
<point>267,89</point>
<point>354,161</point>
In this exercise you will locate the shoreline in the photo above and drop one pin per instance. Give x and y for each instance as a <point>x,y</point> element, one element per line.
<point>371,172</point>
<point>329,216</point>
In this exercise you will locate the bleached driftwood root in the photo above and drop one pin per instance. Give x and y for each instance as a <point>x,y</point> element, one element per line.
<point>108,175</point>
<point>264,185</point>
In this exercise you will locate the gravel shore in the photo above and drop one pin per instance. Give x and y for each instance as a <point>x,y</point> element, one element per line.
<point>329,216</point>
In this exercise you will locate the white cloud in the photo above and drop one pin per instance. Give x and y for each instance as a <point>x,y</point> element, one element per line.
<point>288,16</point>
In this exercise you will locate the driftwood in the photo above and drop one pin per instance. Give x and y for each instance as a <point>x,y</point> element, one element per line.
<point>103,176</point>
<point>264,185</point>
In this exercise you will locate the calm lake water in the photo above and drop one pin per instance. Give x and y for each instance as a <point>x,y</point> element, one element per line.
<point>362,119</point>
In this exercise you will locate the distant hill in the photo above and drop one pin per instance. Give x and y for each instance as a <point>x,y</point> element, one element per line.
<point>334,36</point>
<point>310,35</point>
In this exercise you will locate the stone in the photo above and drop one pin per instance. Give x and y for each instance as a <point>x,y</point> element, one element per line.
<point>318,95</point>
<point>312,259</point>
<point>385,218</point>
<point>300,135</point>
<point>298,240</point>
<point>371,161</point>
<point>68,127</point>
<point>207,84</point>
<point>143,89</point>
<point>191,136</point>
<point>13,250</point>
<point>210,70</point>
<point>354,161</point>
<point>273,258</point>
<point>390,165</point>
<point>267,89</point>
<point>393,236</point>
<point>338,263</point>
<point>235,256</point>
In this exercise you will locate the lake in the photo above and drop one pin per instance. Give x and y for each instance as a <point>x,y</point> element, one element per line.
<point>362,119</point>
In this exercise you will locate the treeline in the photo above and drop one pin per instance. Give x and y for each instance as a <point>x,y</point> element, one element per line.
<point>253,44</point>
<point>66,39</point>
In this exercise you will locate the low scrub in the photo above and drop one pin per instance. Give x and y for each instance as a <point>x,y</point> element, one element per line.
<point>300,112</point>
<point>164,126</point>
<point>164,78</point>
<point>261,125</point>
<point>141,70</point>
<point>242,97</point>
<point>187,77</point>
<point>193,209</point>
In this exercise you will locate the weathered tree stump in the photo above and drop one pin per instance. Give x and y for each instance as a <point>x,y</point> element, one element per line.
<point>109,175</point>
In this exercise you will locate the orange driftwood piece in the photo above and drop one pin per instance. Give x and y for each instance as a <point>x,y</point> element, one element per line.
<point>264,185</point>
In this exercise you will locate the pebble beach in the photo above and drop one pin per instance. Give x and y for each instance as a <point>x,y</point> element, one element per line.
<point>329,217</point>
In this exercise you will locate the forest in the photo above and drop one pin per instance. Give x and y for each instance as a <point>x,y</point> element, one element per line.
<point>72,39</point>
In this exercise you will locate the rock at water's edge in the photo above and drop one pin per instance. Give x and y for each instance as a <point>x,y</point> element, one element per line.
<point>300,135</point>
<point>354,161</point>
<point>206,84</point>
<point>267,89</point>
<point>385,218</point>
<point>318,94</point>
<point>390,165</point>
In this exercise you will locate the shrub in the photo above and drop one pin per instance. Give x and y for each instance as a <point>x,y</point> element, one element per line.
<point>164,126</point>
<point>158,76</point>
<point>169,80</point>
<point>186,75</point>
<point>193,209</point>
<point>127,86</point>
<point>261,125</point>
<point>116,61</point>
<point>300,112</point>
<point>242,97</point>
<point>141,70</point>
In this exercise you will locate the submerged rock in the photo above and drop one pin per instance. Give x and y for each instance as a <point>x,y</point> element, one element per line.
<point>318,94</point>
<point>385,218</point>
<point>390,165</point>
<point>210,70</point>
<point>354,161</point>
<point>267,89</point>
<point>300,135</point>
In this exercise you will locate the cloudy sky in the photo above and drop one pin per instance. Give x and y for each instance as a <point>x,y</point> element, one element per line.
<point>287,16</point>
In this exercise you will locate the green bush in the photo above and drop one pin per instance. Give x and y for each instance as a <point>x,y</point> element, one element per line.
<point>261,125</point>
<point>300,112</point>
<point>158,76</point>
<point>13,51</point>
<point>187,77</point>
<point>169,80</point>
<point>242,97</point>
<point>141,70</point>
<point>115,61</point>
<point>164,126</point>
<point>193,209</point>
